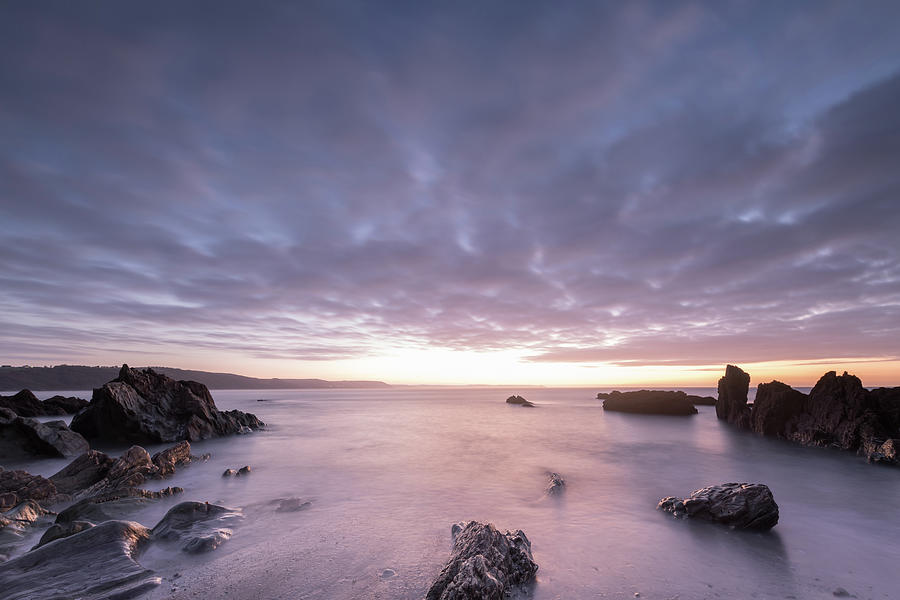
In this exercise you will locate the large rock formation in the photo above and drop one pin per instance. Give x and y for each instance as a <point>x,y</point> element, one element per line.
<point>146,406</point>
<point>26,404</point>
<point>649,402</point>
<point>95,564</point>
<point>484,564</point>
<point>738,505</point>
<point>24,436</point>
<point>839,412</point>
<point>732,403</point>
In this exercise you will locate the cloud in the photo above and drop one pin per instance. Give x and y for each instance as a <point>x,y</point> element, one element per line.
<point>629,184</point>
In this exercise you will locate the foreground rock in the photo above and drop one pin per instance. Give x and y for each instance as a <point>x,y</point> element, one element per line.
<point>838,412</point>
<point>738,505</point>
<point>97,563</point>
<point>15,521</point>
<point>649,402</point>
<point>519,400</point>
<point>26,404</point>
<point>23,436</point>
<point>197,526</point>
<point>484,564</point>
<point>19,486</point>
<point>146,406</point>
<point>732,403</point>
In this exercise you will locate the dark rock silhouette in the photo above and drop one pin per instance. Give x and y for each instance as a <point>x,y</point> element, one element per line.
<point>738,505</point>
<point>145,406</point>
<point>519,400</point>
<point>649,402</point>
<point>26,404</point>
<point>732,403</point>
<point>838,412</point>
<point>484,564</point>
<point>68,405</point>
<point>25,436</point>
<point>701,400</point>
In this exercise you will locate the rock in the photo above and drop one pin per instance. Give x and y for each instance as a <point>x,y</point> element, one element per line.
<point>15,521</point>
<point>95,564</point>
<point>24,404</point>
<point>146,406</point>
<point>388,573</point>
<point>841,593</point>
<point>738,505</point>
<point>556,485</point>
<point>61,530</point>
<point>167,460</point>
<point>775,408</point>
<point>245,470</point>
<point>197,526</point>
<point>519,400</point>
<point>18,486</point>
<point>732,403</point>
<point>701,400</point>
<point>651,402</point>
<point>23,436</point>
<point>484,564</point>
<point>68,405</point>
<point>83,472</point>
<point>229,473</point>
<point>291,504</point>
<point>114,505</point>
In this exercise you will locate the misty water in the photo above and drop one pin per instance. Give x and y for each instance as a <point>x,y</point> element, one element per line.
<point>388,471</point>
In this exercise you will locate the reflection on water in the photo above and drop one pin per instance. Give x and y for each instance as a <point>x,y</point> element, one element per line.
<point>388,471</point>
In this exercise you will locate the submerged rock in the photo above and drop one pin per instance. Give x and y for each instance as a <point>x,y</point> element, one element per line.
<point>24,436</point>
<point>229,473</point>
<point>732,403</point>
<point>198,526</point>
<point>651,402</point>
<point>556,485</point>
<point>291,504</point>
<point>245,470</point>
<point>146,406</point>
<point>484,564</point>
<point>519,400</point>
<point>738,505</point>
<point>95,564</point>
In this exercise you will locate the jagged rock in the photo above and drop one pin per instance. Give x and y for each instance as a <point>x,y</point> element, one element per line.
<point>732,403</point>
<point>652,402</point>
<point>24,404</point>
<point>739,505</point>
<point>556,485</point>
<point>520,401</point>
<point>775,408</point>
<point>146,406</point>
<point>200,527</point>
<point>484,564</point>
<point>24,436</point>
<point>61,530</point>
<point>18,486</point>
<point>167,460</point>
<point>229,473</point>
<point>95,564</point>
<point>83,472</point>
<point>64,405</point>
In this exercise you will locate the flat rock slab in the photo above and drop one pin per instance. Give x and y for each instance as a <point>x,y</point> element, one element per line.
<point>484,564</point>
<point>197,526</point>
<point>738,505</point>
<point>96,564</point>
<point>648,402</point>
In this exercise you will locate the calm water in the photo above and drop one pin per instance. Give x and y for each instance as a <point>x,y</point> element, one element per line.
<point>388,471</point>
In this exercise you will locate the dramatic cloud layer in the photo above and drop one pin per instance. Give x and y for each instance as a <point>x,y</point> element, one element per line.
<point>635,184</point>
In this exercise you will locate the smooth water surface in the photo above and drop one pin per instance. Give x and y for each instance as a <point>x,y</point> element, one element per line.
<point>388,471</point>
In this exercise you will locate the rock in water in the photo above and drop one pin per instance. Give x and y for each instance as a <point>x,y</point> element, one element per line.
<point>484,564</point>
<point>651,402</point>
<point>556,485</point>
<point>198,526</point>
<point>146,406</point>
<point>64,405</point>
<point>732,403</point>
<point>775,408</point>
<point>519,400</point>
<point>739,505</point>
<point>24,404</point>
<point>18,486</point>
<point>95,564</point>
<point>24,436</point>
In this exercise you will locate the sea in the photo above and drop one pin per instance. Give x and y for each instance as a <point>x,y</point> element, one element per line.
<point>388,471</point>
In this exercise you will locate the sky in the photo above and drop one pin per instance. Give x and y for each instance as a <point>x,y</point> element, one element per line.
<point>552,193</point>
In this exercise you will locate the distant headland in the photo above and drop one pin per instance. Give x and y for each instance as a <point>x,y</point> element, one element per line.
<point>76,377</point>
